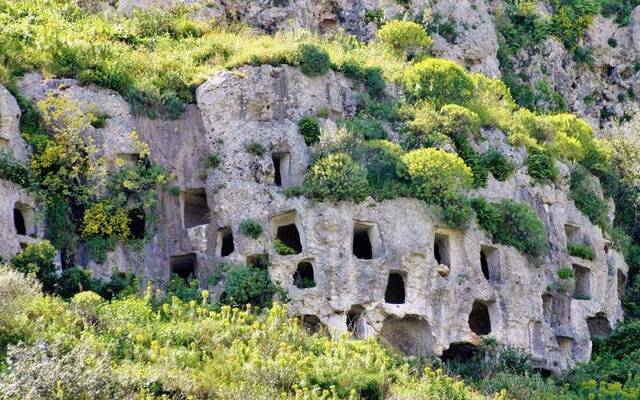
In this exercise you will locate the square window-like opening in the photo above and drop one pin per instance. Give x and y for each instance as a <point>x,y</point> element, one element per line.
<point>304,278</point>
<point>195,211</point>
<point>225,241</point>
<point>565,344</point>
<point>185,266</point>
<point>572,233</point>
<point>442,250</point>
<point>362,245</point>
<point>280,168</point>
<point>490,263</point>
<point>395,291</point>
<point>259,261</point>
<point>479,319</point>
<point>582,282</point>
<point>289,239</point>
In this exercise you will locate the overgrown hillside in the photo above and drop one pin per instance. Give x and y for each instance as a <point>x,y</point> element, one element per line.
<point>422,128</point>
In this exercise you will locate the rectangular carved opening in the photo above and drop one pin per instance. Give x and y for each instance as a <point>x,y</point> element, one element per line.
<point>582,282</point>
<point>225,241</point>
<point>490,263</point>
<point>362,246</point>
<point>287,236</point>
<point>280,168</point>
<point>184,266</point>
<point>23,219</point>
<point>547,307</point>
<point>355,322</point>
<point>395,291</point>
<point>565,345</point>
<point>195,210</point>
<point>4,143</point>
<point>442,249</point>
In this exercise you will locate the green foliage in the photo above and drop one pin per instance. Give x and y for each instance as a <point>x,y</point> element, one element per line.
<point>581,250</point>
<point>436,174</point>
<point>404,37</point>
<point>542,167</point>
<point>438,81</point>
<point>499,165</point>
<point>621,9</point>
<point>175,191</point>
<point>75,280</point>
<point>282,249</point>
<point>566,273</point>
<point>213,160</point>
<point>185,290</point>
<point>382,161</point>
<point>120,285</point>
<point>586,193</point>
<point>313,60</point>
<point>99,246</point>
<point>309,128</point>
<point>251,228</point>
<point>37,259</point>
<point>513,224</point>
<point>14,171</point>
<point>248,285</point>
<point>367,128</point>
<point>337,177</point>
<point>255,148</point>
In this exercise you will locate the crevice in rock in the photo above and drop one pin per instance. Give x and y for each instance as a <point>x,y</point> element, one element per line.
<point>280,168</point>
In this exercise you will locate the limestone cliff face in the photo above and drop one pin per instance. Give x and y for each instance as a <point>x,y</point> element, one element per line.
<point>374,268</point>
<point>386,268</point>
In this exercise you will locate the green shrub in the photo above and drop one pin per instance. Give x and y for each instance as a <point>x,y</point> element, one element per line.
<point>309,128</point>
<point>213,160</point>
<point>566,273</point>
<point>255,148</point>
<point>513,224</point>
<point>382,160</point>
<point>457,121</point>
<point>251,228</point>
<point>248,285</point>
<point>581,250</point>
<point>439,82</point>
<point>499,165</point>
<point>456,211</point>
<point>175,191</point>
<point>282,249</point>
<point>313,60</point>
<point>542,168</point>
<point>436,174</point>
<point>367,128</point>
<point>186,290</point>
<point>404,37</point>
<point>336,177</point>
<point>14,171</point>
<point>586,194</point>
<point>99,246</point>
<point>119,286</point>
<point>38,259</point>
<point>75,280</point>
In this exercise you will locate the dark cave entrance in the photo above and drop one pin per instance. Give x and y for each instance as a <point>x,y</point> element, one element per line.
<point>303,277</point>
<point>259,261</point>
<point>289,236</point>
<point>479,319</point>
<point>225,236</point>
<point>137,223</point>
<point>362,247</point>
<point>184,266</point>
<point>19,222</point>
<point>395,292</point>
<point>355,322</point>
<point>441,251</point>
<point>461,351</point>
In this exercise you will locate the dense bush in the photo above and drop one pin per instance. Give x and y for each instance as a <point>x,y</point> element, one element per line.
<point>542,168</point>
<point>566,273</point>
<point>513,224</point>
<point>251,228</point>
<point>367,128</point>
<point>439,82</point>
<point>382,161</point>
<point>248,285</point>
<point>337,177</point>
<point>406,37</point>
<point>436,174</point>
<point>14,171</point>
<point>313,60</point>
<point>581,250</point>
<point>499,165</point>
<point>38,259</point>
<point>587,195</point>
<point>309,129</point>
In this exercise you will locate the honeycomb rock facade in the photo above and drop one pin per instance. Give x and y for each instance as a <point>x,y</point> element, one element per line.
<point>387,269</point>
